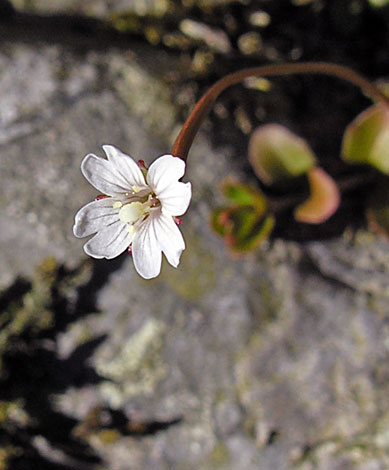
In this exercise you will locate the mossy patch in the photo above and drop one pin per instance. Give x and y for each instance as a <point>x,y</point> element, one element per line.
<point>196,274</point>
<point>219,456</point>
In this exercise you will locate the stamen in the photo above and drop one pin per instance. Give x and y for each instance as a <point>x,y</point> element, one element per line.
<point>117,205</point>
<point>154,202</point>
<point>101,196</point>
<point>177,220</point>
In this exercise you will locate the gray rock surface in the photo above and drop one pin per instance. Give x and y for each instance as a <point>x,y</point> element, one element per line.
<point>275,361</point>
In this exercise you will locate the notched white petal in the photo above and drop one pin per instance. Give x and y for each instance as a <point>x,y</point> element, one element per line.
<point>94,216</point>
<point>109,242</point>
<point>126,167</point>
<point>170,239</point>
<point>165,171</point>
<point>102,175</point>
<point>175,199</point>
<point>146,251</point>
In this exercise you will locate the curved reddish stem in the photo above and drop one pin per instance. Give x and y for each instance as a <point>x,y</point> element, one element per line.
<point>191,126</point>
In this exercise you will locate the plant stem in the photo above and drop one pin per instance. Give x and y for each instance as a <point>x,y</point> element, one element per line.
<point>191,126</point>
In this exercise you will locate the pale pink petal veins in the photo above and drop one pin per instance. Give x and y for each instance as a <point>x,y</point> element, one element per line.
<point>102,175</point>
<point>109,242</point>
<point>126,167</point>
<point>164,172</point>
<point>94,216</point>
<point>175,199</point>
<point>170,238</point>
<point>146,250</point>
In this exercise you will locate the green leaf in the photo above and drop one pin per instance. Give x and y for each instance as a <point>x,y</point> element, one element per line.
<point>220,221</point>
<point>242,228</point>
<point>260,232</point>
<point>277,154</point>
<point>379,3</point>
<point>242,195</point>
<point>323,200</point>
<point>366,139</point>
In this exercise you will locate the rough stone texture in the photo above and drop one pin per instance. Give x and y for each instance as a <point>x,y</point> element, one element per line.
<point>56,110</point>
<point>275,361</point>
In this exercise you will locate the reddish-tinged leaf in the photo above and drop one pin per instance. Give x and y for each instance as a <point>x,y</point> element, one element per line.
<point>323,200</point>
<point>242,228</point>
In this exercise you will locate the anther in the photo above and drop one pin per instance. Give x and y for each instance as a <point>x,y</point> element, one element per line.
<point>154,202</point>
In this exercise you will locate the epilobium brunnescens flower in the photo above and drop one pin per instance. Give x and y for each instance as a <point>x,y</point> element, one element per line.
<point>138,209</point>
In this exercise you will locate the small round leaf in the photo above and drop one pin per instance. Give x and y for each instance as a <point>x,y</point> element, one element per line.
<point>277,154</point>
<point>323,200</point>
<point>366,139</point>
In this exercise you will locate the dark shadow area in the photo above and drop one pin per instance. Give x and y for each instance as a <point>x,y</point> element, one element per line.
<point>103,418</point>
<point>101,271</point>
<point>16,291</point>
<point>32,372</point>
<point>78,32</point>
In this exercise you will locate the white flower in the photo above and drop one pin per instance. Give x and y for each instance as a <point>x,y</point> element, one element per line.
<point>138,211</point>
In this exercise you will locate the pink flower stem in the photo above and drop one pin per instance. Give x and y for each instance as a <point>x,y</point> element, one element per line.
<point>191,126</point>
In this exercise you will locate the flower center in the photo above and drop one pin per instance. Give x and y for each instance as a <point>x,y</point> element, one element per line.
<point>130,213</point>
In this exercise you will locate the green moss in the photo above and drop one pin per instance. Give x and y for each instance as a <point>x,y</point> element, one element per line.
<point>196,274</point>
<point>270,304</point>
<point>219,456</point>
<point>6,454</point>
<point>108,436</point>
<point>31,313</point>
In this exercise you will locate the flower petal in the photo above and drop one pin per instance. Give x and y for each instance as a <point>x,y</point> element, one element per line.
<point>102,174</point>
<point>169,238</point>
<point>109,242</point>
<point>175,199</point>
<point>125,166</point>
<point>146,251</point>
<point>94,216</point>
<point>165,171</point>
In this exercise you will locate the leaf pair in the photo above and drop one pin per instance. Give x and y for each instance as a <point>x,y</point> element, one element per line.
<point>277,154</point>
<point>245,224</point>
